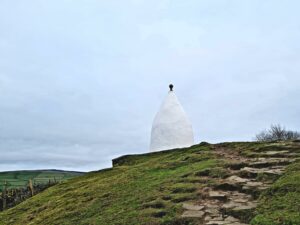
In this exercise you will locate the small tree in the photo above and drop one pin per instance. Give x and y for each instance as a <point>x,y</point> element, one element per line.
<point>277,133</point>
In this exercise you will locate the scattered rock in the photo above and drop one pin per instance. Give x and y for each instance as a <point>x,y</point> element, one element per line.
<point>254,184</point>
<point>275,152</point>
<point>268,162</point>
<point>213,205</point>
<point>250,205</point>
<point>207,218</point>
<point>189,206</point>
<point>236,179</point>
<point>231,219</point>
<point>193,214</point>
<point>217,218</point>
<point>231,205</point>
<point>273,170</point>
<point>212,212</point>
<point>220,222</point>
<point>218,195</point>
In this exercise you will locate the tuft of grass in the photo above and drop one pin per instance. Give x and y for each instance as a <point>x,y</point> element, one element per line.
<point>157,204</point>
<point>183,188</point>
<point>217,172</point>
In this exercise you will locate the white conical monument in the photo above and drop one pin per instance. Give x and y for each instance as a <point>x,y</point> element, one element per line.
<point>171,127</point>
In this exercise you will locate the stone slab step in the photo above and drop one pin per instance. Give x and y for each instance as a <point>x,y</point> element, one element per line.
<point>237,179</point>
<point>193,214</point>
<point>268,162</point>
<point>220,195</point>
<point>269,170</point>
<point>191,206</point>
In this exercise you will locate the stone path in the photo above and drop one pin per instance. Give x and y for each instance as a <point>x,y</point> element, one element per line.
<point>232,200</point>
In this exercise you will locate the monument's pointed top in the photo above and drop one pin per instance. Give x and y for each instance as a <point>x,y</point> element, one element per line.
<point>171,127</point>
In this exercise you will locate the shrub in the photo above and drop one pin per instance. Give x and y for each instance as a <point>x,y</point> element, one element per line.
<point>277,133</point>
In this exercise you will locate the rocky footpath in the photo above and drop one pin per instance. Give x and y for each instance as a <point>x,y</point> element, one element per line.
<point>232,198</point>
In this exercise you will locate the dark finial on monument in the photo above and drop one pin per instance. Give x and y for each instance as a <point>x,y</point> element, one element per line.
<point>171,86</point>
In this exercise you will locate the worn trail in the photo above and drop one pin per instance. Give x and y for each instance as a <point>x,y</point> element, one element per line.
<point>232,199</point>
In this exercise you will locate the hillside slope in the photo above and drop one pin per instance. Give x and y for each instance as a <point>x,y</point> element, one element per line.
<point>229,183</point>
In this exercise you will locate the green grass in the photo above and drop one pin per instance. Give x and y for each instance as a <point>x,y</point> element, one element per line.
<point>146,190</point>
<point>149,189</point>
<point>18,179</point>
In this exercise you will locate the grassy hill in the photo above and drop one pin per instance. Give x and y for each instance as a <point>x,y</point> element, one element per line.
<point>16,179</point>
<point>229,183</point>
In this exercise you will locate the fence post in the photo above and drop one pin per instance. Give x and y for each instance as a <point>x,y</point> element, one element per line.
<point>31,187</point>
<point>4,195</point>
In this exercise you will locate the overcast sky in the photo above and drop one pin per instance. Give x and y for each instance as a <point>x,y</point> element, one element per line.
<point>81,81</point>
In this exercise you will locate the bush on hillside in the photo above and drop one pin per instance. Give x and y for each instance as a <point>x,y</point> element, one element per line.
<point>277,133</point>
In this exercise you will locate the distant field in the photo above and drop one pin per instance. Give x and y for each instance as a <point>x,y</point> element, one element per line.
<point>15,179</point>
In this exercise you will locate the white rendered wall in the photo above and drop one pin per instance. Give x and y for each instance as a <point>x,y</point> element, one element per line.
<point>171,127</point>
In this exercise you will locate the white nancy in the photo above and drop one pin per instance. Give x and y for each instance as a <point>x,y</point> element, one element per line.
<point>171,127</point>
